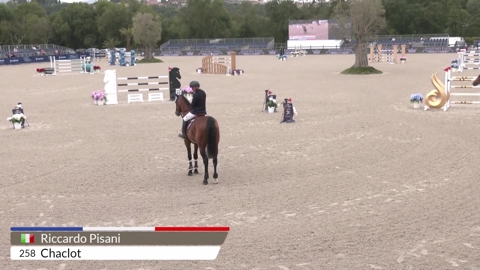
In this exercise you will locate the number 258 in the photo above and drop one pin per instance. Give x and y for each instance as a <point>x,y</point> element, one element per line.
<point>26,253</point>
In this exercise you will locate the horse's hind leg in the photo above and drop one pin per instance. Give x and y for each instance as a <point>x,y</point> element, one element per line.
<point>195,158</point>
<point>215,174</point>
<point>189,155</point>
<point>205,162</point>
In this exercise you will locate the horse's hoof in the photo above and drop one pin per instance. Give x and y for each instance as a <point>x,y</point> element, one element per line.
<point>205,182</point>
<point>215,181</point>
<point>190,173</point>
<point>195,171</point>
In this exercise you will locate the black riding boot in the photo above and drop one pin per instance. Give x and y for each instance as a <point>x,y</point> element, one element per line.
<point>184,130</point>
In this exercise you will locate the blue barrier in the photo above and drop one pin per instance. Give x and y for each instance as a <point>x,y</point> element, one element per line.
<point>112,58</point>
<point>38,59</point>
<point>123,62</point>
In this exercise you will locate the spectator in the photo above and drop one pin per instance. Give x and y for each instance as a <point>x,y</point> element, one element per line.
<point>42,52</point>
<point>11,55</point>
<point>15,49</point>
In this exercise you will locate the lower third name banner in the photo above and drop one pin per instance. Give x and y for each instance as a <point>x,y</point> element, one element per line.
<point>79,253</point>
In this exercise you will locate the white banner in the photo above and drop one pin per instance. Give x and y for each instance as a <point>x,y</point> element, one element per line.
<point>79,253</point>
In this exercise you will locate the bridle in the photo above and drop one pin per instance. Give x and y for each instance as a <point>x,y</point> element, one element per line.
<point>177,112</point>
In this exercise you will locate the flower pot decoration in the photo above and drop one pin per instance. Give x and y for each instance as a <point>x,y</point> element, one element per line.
<point>403,59</point>
<point>99,97</point>
<point>17,120</point>
<point>272,105</point>
<point>199,70</point>
<point>416,100</point>
<point>96,69</point>
<point>41,71</point>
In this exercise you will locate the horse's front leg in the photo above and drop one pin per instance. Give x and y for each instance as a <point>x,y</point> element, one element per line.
<point>189,155</point>
<point>195,158</point>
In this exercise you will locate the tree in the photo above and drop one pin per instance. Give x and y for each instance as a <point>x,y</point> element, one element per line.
<point>110,43</point>
<point>147,32</point>
<point>365,18</point>
<point>128,34</point>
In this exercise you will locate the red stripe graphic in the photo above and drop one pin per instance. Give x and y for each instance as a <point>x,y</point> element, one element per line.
<point>32,239</point>
<point>192,229</point>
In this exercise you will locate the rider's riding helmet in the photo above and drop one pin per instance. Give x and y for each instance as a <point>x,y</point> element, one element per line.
<point>194,83</point>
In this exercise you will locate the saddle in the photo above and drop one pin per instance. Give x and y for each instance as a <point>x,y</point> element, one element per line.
<point>190,122</point>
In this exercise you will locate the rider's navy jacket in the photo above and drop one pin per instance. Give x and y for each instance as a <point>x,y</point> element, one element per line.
<point>199,102</point>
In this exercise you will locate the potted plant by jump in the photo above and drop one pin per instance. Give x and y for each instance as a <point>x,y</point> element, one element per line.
<point>454,65</point>
<point>96,69</point>
<point>403,60</point>
<point>416,100</point>
<point>41,71</point>
<point>272,105</point>
<point>188,93</point>
<point>99,97</point>
<point>17,120</point>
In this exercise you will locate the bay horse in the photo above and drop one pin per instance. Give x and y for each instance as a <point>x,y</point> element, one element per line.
<point>477,81</point>
<point>204,133</point>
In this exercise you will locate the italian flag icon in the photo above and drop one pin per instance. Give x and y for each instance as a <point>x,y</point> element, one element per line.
<point>27,239</point>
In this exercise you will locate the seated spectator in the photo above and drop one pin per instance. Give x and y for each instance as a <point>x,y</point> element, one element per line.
<point>11,55</point>
<point>15,49</point>
<point>42,52</point>
<point>56,51</point>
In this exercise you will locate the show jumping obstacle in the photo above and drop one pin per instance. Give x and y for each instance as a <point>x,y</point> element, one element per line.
<point>112,87</point>
<point>440,98</point>
<point>464,60</point>
<point>67,66</point>
<point>111,94</point>
<point>298,51</point>
<point>219,65</point>
<point>390,56</point>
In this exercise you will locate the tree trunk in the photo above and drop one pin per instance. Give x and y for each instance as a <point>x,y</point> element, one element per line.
<point>128,43</point>
<point>361,55</point>
<point>148,53</point>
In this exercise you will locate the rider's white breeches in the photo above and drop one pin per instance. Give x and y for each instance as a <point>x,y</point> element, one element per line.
<point>189,116</point>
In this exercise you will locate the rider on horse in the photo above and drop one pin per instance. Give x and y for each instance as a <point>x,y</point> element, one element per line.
<point>198,106</point>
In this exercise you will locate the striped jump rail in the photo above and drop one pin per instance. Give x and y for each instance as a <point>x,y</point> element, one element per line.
<point>67,65</point>
<point>142,83</point>
<point>465,58</point>
<point>112,87</point>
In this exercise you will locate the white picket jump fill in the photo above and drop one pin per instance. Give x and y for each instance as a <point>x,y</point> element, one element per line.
<point>155,97</point>
<point>112,90</point>
<point>135,98</point>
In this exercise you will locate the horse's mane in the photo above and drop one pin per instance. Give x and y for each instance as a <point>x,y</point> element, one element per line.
<point>186,100</point>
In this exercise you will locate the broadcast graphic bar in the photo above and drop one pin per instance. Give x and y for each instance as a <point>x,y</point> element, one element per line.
<point>116,243</point>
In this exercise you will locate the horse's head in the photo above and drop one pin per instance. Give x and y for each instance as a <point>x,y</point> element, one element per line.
<point>477,81</point>
<point>182,105</point>
<point>174,77</point>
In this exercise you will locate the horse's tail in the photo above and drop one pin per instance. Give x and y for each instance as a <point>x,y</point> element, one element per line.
<point>211,138</point>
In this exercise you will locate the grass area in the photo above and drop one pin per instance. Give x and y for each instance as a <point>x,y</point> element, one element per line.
<point>147,61</point>
<point>361,71</point>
